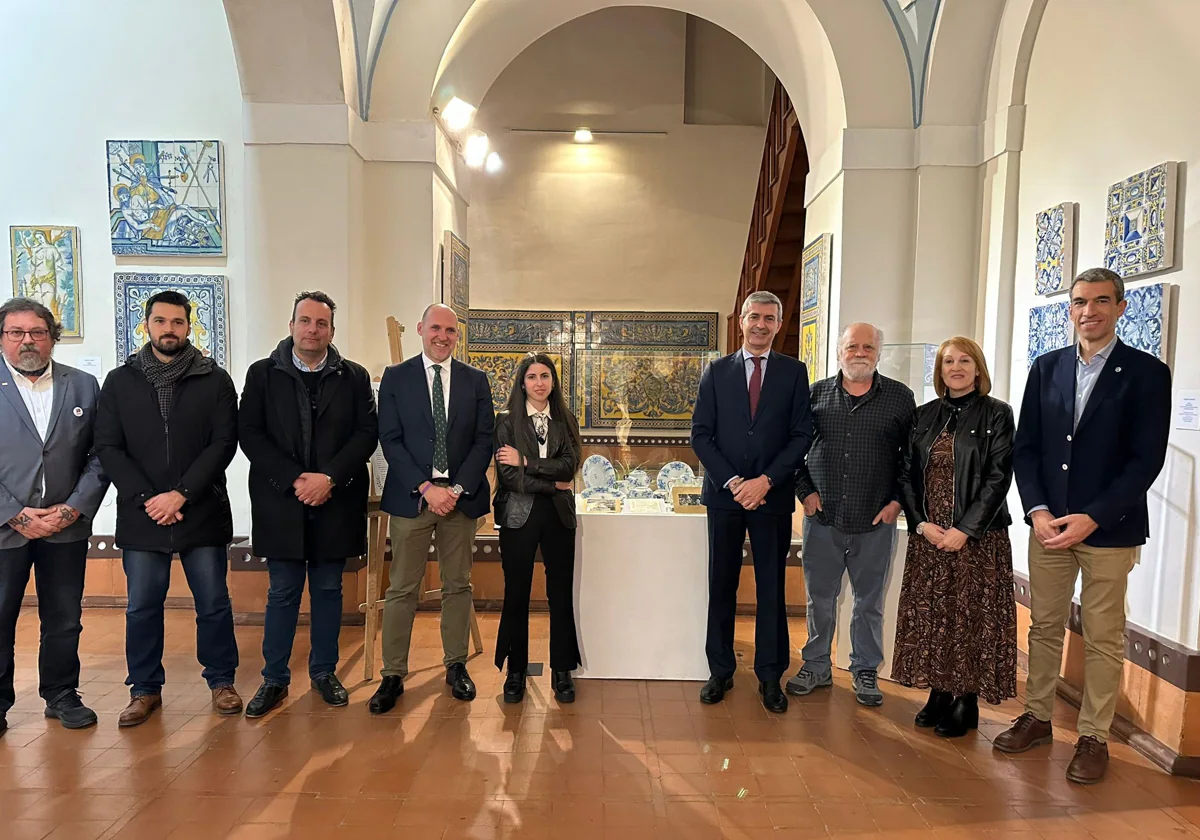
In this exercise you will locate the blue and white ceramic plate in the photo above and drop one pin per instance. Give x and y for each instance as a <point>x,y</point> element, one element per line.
<point>601,493</point>
<point>640,493</point>
<point>638,478</point>
<point>598,472</point>
<point>673,472</point>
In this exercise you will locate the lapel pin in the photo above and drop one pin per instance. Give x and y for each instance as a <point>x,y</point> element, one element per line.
<point>1118,370</point>
<point>78,412</point>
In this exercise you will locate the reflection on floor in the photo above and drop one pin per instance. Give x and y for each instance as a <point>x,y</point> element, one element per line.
<point>628,760</point>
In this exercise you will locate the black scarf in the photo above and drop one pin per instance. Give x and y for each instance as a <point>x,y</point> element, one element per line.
<point>164,375</point>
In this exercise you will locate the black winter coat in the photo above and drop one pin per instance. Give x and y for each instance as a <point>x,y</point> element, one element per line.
<point>189,452</point>
<point>983,464</point>
<point>279,438</point>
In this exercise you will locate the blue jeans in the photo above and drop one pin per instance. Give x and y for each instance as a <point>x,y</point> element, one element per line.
<point>283,611</point>
<point>149,574</point>
<point>829,554</point>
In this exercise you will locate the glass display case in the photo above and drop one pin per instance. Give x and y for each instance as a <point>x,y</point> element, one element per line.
<point>912,364</point>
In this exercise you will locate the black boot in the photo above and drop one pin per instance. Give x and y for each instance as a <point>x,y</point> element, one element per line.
<point>564,686</point>
<point>514,687</point>
<point>961,718</point>
<point>935,709</point>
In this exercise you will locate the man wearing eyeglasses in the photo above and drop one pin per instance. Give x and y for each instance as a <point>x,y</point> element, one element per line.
<point>51,485</point>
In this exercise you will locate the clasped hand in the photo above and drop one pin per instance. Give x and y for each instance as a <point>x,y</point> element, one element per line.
<point>440,500</point>
<point>38,523</point>
<point>509,456</point>
<point>313,489</point>
<point>750,493</point>
<point>945,539</point>
<point>1064,532</point>
<point>164,508</point>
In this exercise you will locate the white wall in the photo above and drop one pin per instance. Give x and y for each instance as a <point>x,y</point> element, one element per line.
<point>1090,123</point>
<point>69,87</point>
<point>629,222</point>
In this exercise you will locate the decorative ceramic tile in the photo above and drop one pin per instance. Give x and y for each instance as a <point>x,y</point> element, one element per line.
<point>1055,249</point>
<point>165,197</point>
<point>206,292</point>
<point>1140,236</point>
<point>45,267</point>
<point>930,362</point>
<point>1147,319</point>
<point>640,389</point>
<point>649,330</point>
<point>1049,328</point>
<point>501,338</point>
<point>814,305</point>
<point>456,287</point>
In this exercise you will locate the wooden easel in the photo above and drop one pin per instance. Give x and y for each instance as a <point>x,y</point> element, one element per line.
<point>377,536</point>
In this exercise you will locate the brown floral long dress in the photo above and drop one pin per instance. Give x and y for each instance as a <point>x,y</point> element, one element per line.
<point>957,627</point>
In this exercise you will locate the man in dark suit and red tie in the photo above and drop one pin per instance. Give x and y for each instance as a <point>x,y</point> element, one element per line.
<point>751,429</point>
<point>1091,440</point>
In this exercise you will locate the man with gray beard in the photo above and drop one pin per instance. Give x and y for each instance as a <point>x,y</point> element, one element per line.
<point>850,492</point>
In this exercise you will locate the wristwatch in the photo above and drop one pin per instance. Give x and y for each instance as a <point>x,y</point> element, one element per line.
<point>457,490</point>
<point>921,529</point>
<point>329,478</point>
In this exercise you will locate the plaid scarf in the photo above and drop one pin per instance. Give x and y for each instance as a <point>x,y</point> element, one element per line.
<point>163,376</point>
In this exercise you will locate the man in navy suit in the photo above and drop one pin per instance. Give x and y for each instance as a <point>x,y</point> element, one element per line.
<point>435,425</point>
<point>751,429</point>
<point>1091,440</point>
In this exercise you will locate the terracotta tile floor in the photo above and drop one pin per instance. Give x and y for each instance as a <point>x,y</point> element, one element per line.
<point>627,761</point>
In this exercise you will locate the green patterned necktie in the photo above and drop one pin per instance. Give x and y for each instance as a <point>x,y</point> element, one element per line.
<point>439,422</point>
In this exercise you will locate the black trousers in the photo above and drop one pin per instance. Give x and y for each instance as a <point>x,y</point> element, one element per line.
<point>770,541</point>
<point>518,546</point>
<point>59,581</point>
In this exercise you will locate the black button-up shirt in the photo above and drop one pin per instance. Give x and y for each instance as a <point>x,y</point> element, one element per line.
<point>854,462</point>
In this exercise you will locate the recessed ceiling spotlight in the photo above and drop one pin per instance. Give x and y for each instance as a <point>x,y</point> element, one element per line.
<point>583,135</point>
<point>494,164</point>
<point>476,151</point>
<point>458,114</point>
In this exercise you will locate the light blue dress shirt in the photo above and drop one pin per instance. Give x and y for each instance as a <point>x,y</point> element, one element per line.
<point>299,363</point>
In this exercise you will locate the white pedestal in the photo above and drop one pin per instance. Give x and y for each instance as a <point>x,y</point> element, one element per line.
<point>641,596</point>
<point>891,602</point>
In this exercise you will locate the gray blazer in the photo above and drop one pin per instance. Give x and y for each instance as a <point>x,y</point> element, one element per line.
<point>67,457</point>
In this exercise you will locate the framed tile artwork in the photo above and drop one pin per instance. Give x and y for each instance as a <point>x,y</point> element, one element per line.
<point>165,198</point>
<point>456,287</point>
<point>814,305</point>
<point>1049,329</point>
<point>1140,234</point>
<point>1147,319</point>
<point>640,389</point>
<point>1055,249</point>
<point>501,338</point>
<point>45,267</point>
<point>210,316</point>
<point>647,330</point>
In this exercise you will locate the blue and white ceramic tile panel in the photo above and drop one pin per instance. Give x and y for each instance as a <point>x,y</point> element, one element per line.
<point>1055,249</point>
<point>1147,318</point>
<point>1049,329</point>
<point>206,292</point>
<point>930,362</point>
<point>1140,235</point>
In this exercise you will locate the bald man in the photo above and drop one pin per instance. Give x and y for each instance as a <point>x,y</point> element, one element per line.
<point>435,426</point>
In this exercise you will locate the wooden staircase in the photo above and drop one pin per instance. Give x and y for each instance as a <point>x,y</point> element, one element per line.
<point>776,238</point>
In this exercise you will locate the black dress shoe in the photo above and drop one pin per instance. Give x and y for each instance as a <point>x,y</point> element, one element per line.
<point>773,697</point>
<point>514,687</point>
<point>460,682</point>
<point>385,696</point>
<point>3,724</point>
<point>268,696</point>
<point>935,709</point>
<point>714,690</point>
<point>960,718</point>
<point>564,686</point>
<point>69,710</point>
<point>331,690</point>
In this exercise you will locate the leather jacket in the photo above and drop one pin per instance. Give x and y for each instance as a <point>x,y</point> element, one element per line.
<point>983,470</point>
<point>515,492</point>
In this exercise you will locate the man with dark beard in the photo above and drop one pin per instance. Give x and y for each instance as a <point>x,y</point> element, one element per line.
<point>166,430</point>
<point>51,486</point>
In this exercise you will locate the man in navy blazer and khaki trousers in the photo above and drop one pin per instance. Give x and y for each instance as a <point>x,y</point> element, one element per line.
<point>1091,440</point>
<point>751,429</point>
<point>435,425</point>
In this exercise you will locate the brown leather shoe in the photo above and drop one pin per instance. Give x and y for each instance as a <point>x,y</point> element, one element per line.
<point>139,709</point>
<point>226,701</point>
<point>1026,733</point>
<point>1090,762</point>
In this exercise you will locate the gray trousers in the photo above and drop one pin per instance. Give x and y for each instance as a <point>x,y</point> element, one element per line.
<point>828,554</point>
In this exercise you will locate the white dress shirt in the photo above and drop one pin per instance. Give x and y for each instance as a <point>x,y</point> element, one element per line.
<point>39,400</point>
<point>533,412</point>
<point>429,374</point>
<point>302,365</point>
<point>748,361</point>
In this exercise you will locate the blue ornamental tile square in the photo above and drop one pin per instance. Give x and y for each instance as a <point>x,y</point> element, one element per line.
<point>206,293</point>
<point>1055,249</point>
<point>1049,329</point>
<point>1146,320</point>
<point>1140,235</point>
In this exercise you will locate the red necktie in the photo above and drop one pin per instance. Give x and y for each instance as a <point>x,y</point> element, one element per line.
<point>755,384</point>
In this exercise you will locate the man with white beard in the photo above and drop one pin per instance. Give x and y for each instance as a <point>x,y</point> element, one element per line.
<point>849,489</point>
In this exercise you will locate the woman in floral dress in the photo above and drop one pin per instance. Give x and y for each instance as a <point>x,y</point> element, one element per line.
<point>957,628</point>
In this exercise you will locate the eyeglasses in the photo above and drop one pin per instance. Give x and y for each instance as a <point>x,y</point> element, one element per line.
<point>19,335</point>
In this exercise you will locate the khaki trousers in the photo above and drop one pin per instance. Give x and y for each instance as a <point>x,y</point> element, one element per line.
<point>1052,577</point>
<point>411,539</point>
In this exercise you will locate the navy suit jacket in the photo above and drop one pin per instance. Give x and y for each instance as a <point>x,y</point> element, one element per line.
<point>1105,467</point>
<point>774,443</point>
<point>406,434</point>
